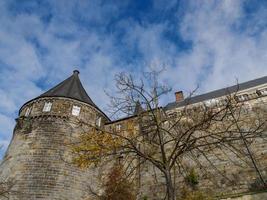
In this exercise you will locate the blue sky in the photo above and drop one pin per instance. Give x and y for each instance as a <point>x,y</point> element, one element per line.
<point>206,43</point>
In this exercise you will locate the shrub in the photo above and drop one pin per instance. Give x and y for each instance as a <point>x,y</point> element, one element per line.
<point>194,195</point>
<point>117,187</point>
<point>192,178</point>
<point>258,185</point>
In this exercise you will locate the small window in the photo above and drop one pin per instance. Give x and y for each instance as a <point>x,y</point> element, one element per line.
<point>99,121</point>
<point>76,110</point>
<point>28,111</point>
<point>262,92</point>
<point>243,97</point>
<point>118,127</point>
<point>247,106</point>
<point>173,115</point>
<point>211,102</point>
<point>224,101</point>
<point>166,122</point>
<point>47,107</point>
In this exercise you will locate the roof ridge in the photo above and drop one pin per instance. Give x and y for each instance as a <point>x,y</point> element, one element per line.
<point>219,92</point>
<point>71,88</point>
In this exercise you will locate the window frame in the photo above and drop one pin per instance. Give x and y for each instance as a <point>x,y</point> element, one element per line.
<point>243,97</point>
<point>99,121</point>
<point>118,127</point>
<point>47,106</point>
<point>76,110</point>
<point>263,92</point>
<point>28,111</point>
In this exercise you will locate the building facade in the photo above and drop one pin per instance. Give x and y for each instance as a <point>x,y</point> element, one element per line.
<point>38,160</point>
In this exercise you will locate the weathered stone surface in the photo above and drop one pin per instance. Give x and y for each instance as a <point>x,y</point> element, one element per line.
<point>37,160</point>
<point>260,196</point>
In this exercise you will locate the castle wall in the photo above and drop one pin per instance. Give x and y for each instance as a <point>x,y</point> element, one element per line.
<point>256,196</point>
<point>38,160</point>
<point>218,176</point>
<point>223,173</point>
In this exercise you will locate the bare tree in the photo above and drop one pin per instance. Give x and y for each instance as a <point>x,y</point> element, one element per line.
<point>5,188</point>
<point>164,137</point>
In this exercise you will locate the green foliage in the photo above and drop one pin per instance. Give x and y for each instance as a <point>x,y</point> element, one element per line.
<point>192,178</point>
<point>94,147</point>
<point>27,127</point>
<point>258,185</point>
<point>194,195</point>
<point>117,187</point>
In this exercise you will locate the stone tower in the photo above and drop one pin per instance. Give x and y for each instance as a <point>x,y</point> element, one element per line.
<point>36,161</point>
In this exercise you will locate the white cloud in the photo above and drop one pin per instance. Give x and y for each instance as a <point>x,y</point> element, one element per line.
<point>219,53</point>
<point>36,54</point>
<point>6,127</point>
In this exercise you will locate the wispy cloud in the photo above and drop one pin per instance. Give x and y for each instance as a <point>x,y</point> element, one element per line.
<point>208,43</point>
<point>224,47</point>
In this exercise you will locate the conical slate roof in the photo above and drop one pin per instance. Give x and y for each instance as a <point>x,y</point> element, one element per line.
<point>70,88</point>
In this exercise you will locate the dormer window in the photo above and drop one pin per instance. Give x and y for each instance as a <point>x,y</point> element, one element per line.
<point>223,101</point>
<point>28,111</point>
<point>75,110</point>
<point>262,92</point>
<point>243,97</point>
<point>211,102</point>
<point>173,115</point>
<point>99,121</point>
<point>47,107</point>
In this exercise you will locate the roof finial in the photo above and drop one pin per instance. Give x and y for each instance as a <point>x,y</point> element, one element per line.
<point>76,72</point>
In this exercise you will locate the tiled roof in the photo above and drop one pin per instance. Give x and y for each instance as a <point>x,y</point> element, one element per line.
<point>70,88</point>
<point>218,93</point>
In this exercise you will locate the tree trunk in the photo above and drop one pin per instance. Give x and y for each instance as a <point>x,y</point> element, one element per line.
<point>169,186</point>
<point>253,160</point>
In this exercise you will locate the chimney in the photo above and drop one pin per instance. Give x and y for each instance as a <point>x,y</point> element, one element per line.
<point>179,96</point>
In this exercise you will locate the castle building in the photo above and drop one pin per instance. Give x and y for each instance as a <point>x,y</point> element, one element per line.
<point>36,160</point>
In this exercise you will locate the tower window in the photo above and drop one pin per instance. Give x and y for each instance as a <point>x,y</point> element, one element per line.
<point>47,107</point>
<point>75,110</point>
<point>28,111</point>
<point>98,121</point>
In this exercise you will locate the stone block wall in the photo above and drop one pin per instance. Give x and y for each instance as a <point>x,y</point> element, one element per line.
<point>38,160</point>
<point>62,107</point>
<point>223,173</point>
